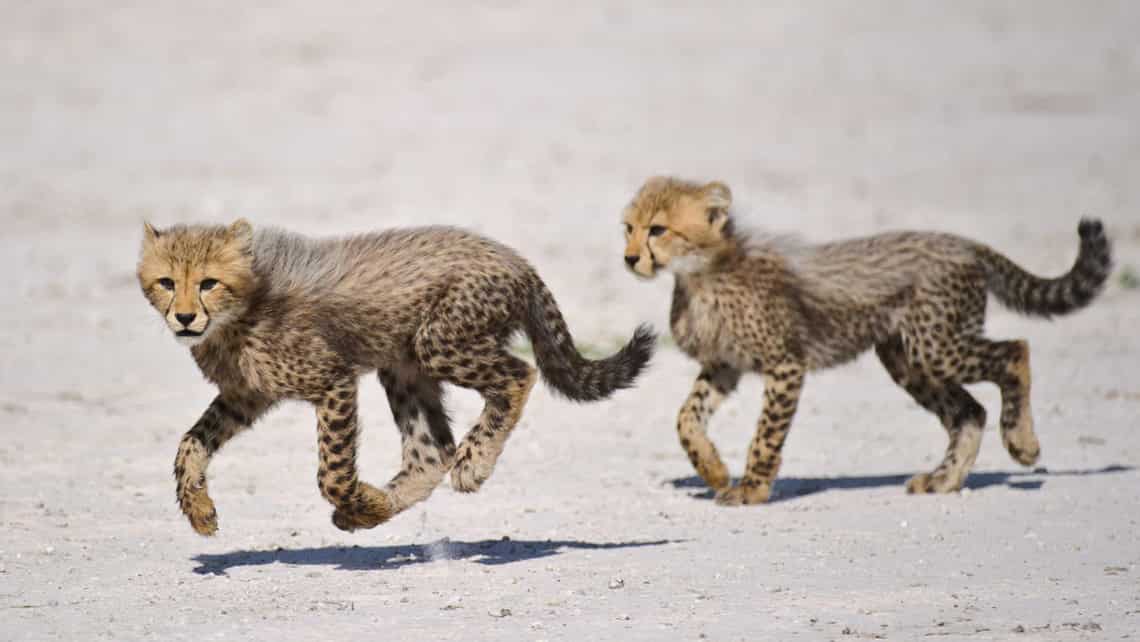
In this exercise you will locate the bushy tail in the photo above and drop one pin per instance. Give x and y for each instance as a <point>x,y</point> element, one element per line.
<point>567,371</point>
<point>1023,292</point>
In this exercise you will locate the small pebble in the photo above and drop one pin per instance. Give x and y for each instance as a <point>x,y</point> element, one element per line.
<point>617,583</point>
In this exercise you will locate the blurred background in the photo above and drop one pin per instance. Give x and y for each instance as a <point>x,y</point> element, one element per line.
<point>535,122</point>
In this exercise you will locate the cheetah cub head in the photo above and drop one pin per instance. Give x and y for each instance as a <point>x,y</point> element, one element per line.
<point>676,225</point>
<point>197,276</point>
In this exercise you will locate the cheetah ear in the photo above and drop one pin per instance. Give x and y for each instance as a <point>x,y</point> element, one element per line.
<point>241,232</point>
<point>150,234</point>
<point>717,195</point>
<point>718,198</point>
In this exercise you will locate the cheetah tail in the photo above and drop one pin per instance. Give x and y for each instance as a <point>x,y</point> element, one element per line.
<point>1032,295</point>
<point>565,369</point>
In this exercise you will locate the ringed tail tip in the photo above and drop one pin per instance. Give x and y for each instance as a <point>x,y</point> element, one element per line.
<point>1090,229</point>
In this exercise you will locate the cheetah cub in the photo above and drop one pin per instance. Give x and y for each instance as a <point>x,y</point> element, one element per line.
<point>271,315</point>
<point>779,309</point>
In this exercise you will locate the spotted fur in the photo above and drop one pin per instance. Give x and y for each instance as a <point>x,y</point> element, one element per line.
<point>272,316</point>
<point>746,303</point>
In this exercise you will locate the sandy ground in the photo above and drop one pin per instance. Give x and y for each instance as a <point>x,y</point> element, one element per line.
<point>534,123</point>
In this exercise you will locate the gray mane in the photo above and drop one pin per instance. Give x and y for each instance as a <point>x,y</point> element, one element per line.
<point>291,262</point>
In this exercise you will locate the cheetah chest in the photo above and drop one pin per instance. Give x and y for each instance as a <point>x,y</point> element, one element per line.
<point>703,327</point>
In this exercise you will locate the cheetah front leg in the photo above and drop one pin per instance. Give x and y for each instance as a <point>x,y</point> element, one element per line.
<point>223,419</point>
<point>358,504</point>
<point>713,384</point>
<point>782,386</point>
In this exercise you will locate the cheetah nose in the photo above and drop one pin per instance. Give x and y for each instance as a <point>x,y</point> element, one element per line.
<point>631,260</point>
<point>185,319</point>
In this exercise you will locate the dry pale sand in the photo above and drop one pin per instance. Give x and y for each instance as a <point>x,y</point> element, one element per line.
<point>534,123</point>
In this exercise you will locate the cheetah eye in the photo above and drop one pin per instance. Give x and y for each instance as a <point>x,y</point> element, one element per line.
<point>656,230</point>
<point>628,228</point>
<point>167,284</point>
<point>208,284</point>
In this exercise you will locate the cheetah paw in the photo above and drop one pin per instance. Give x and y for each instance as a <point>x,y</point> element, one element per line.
<point>936,482</point>
<point>744,495</point>
<point>370,508</point>
<point>199,509</point>
<point>472,468</point>
<point>1023,447</point>
<point>348,520</point>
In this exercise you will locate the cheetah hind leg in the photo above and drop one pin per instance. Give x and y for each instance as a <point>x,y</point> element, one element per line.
<point>961,415</point>
<point>425,432</point>
<point>1005,363</point>
<point>1017,434</point>
<point>951,473</point>
<point>476,455</point>
<point>503,380</point>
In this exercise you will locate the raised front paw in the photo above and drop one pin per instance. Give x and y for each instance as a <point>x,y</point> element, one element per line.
<point>939,481</point>
<point>744,494</point>
<point>369,508</point>
<point>199,509</point>
<point>473,465</point>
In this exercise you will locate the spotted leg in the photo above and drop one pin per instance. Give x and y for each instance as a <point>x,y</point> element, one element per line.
<point>425,433</point>
<point>504,397</point>
<point>502,379</point>
<point>782,385</point>
<point>225,417</point>
<point>1006,363</point>
<point>357,504</point>
<point>713,384</point>
<point>961,415</point>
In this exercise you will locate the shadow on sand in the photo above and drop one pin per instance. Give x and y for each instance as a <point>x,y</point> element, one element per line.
<point>360,558</point>
<point>792,487</point>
